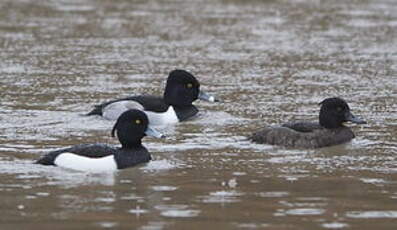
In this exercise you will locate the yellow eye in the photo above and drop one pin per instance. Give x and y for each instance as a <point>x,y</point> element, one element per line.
<point>189,85</point>
<point>138,122</point>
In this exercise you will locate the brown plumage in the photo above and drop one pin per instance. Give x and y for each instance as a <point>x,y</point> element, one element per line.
<point>316,137</point>
<point>327,132</point>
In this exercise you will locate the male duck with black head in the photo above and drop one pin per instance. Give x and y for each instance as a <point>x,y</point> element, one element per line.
<point>130,127</point>
<point>181,90</point>
<point>329,131</point>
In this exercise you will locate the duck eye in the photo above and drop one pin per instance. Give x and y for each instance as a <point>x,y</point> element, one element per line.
<point>189,85</point>
<point>138,122</point>
<point>339,109</point>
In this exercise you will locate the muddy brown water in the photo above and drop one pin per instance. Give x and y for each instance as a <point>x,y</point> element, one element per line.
<point>269,62</point>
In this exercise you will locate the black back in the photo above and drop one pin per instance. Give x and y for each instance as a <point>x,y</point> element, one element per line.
<point>304,127</point>
<point>149,103</point>
<point>86,150</point>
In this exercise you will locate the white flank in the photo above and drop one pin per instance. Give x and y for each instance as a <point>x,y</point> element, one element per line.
<point>167,117</point>
<point>80,163</point>
<point>114,110</point>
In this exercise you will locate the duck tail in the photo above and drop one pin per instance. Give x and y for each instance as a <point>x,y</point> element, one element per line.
<point>96,111</point>
<point>46,160</point>
<point>261,136</point>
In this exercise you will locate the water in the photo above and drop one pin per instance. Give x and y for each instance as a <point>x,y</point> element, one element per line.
<point>269,62</point>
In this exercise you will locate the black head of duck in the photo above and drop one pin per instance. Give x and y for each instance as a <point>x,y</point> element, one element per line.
<point>182,89</point>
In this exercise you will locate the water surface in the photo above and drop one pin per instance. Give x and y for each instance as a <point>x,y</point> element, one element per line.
<point>269,62</point>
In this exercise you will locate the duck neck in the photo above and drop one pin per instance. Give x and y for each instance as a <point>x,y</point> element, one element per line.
<point>131,145</point>
<point>331,124</point>
<point>185,112</point>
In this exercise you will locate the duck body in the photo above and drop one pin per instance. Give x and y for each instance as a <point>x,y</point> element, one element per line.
<point>157,110</point>
<point>96,157</point>
<point>302,135</point>
<point>130,127</point>
<point>328,131</point>
<point>181,90</point>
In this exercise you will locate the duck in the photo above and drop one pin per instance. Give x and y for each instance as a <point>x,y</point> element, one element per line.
<point>181,90</point>
<point>329,131</point>
<point>130,127</point>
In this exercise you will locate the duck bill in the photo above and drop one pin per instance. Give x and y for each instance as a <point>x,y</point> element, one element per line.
<point>350,117</point>
<point>153,133</point>
<point>205,97</point>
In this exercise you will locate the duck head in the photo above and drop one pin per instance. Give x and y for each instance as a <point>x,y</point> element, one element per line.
<point>182,89</point>
<point>334,112</point>
<point>131,127</point>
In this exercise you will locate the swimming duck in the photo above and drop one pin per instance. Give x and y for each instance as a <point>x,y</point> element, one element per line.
<point>130,127</point>
<point>181,90</point>
<point>329,131</point>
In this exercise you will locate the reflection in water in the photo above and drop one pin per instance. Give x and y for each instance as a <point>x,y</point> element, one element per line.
<point>335,225</point>
<point>161,165</point>
<point>164,188</point>
<point>222,197</point>
<point>180,213</point>
<point>27,171</point>
<point>269,61</point>
<point>304,211</point>
<point>372,214</point>
<point>138,211</point>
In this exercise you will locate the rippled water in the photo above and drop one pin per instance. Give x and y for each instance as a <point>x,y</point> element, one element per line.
<point>269,62</point>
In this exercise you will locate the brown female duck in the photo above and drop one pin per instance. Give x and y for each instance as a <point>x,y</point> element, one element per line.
<point>329,131</point>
